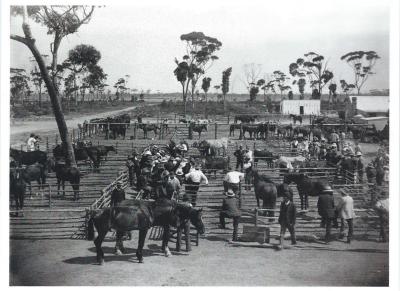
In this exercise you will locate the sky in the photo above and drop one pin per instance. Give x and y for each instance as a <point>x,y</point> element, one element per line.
<point>143,39</point>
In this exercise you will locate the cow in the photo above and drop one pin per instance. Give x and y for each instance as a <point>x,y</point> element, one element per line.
<point>213,164</point>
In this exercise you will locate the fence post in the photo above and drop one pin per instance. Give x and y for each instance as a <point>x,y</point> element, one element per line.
<point>256,216</point>
<point>134,130</point>
<point>73,134</point>
<point>240,194</point>
<point>175,118</point>
<point>116,148</point>
<point>47,144</point>
<point>228,118</point>
<point>216,130</point>
<point>241,131</point>
<point>49,196</point>
<point>56,139</point>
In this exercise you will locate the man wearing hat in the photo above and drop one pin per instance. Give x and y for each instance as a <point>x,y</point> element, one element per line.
<point>382,208</point>
<point>194,178</point>
<point>287,219</point>
<point>30,144</point>
<point>345,210</point>
<point>334,138</point>
<point>230,209</point>
<point>239,154</point>
<point>130,164</point>
<point>117,195</point>
<point>326,209</point>
<point>173,186</point>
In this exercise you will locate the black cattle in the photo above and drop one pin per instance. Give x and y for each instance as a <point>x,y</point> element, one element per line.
<point>213,164</point>
<point>29,158</point>
<point>81,154</point>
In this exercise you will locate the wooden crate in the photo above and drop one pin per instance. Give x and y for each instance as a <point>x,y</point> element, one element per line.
<point>259,234</point>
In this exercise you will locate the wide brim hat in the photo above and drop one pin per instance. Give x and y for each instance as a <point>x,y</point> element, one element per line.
<point>358,154</point>
<point>179,172</point>
<point>230,193</point>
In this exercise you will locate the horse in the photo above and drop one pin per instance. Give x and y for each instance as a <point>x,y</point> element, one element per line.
<point>35,172</point>
<point>265,189</point>
<point>245,118</point>
<point>232,128</point>
<point>212,164</point>
<point>264,155</point>
<point>212,147</point>
<point>198,128</point>
<point>305,186</point>
<point>28,158</point>
<point>141,215</point>
<point>296,118</point>
<point>17,188</point>
<point>70,174</point>
<point>252,129</point>
<point>103,150</point>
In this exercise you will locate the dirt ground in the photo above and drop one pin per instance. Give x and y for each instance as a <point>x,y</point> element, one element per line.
<point>212,263</point>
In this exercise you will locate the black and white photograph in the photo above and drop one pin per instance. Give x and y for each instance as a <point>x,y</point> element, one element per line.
<point>200,143</point>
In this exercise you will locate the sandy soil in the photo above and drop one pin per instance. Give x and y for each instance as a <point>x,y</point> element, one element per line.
<point>214,262</point>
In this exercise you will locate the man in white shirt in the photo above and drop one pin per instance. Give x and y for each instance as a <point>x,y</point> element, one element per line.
<point>346,212</point>
<point>193,180</point>
<point>30,146</point>
<point>232,180</point>
<point>248,154</point>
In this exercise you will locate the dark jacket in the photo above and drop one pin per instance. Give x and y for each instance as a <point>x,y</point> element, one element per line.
<point>117,196</point>
<point>326,206</point>
<point>239,154</point>
<point>287,214</point>
<point>230,207</point>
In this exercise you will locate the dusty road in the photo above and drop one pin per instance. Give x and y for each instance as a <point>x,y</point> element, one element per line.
<point>213,263</point>
<point>20,129</point>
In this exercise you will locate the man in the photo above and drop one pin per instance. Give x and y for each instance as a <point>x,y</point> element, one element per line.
<point>334,138</point>
<point>130,164</point>
<point>360,168</point>
<point>248,153</point>
<point>36,143</point>
<point>345,210</point>
<point>326,209</point>
<point>371,173</point>
<point>232,180</point>
<point>294,144</point>
<point>248,166</point>
<point>173,186</point>
<point>117,195</point>
<point>194,178</point>
<point>239,154</point>
<point>287,219</point>
<point>230,209</point>
<point>30,145</point>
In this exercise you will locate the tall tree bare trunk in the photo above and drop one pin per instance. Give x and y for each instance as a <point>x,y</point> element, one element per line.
<point>53,93</point>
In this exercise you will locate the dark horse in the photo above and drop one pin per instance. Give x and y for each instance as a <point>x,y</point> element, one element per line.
<point>35,172</point>
<point>29,158</point>
<point>245,118</point>
<point>67,173</point>
<point>305,186</point>
<point>141,215</point>
<point>296,118</point>
<point>198,128</point>
<point>265,189</point>
<point>146,127</point>
<point>17,188</point>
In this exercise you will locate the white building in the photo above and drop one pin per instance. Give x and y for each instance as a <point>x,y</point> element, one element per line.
<point>301,107</point>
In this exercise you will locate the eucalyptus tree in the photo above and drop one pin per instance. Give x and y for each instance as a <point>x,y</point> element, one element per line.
<point>225,84</point>
<point>199,57</point>
<point>19,84</point>
<point>60,22</point>
<point>314,67</point>
<point>362,63</point>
